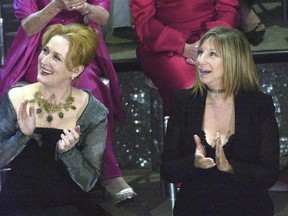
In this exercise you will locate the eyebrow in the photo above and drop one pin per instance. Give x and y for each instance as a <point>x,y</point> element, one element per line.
<point>59,54</point>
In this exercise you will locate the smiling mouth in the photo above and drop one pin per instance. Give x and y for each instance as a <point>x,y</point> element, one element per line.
<point>204,72</point>
<point>45,71</point>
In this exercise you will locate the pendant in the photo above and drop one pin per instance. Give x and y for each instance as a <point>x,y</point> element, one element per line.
<point>49,118</point>
<point>61,115</point>
<point>38,110</point>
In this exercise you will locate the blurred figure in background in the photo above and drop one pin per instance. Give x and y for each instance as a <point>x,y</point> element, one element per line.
<point>168,34</point>
<point>251,25</point>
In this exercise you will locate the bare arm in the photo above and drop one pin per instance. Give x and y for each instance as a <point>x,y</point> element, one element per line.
<point>35,22</point>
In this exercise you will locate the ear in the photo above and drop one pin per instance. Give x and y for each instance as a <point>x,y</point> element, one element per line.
<point>77,71</point>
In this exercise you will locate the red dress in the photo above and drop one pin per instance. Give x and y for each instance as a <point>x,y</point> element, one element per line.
<point>164,26</point>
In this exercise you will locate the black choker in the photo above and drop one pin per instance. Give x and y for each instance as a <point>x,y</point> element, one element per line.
<point>216,91</point>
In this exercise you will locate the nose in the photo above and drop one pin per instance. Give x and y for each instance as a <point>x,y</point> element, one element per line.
<point>201,58</point>
<point>44,58</point>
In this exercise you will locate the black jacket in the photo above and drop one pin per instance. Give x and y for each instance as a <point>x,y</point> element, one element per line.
<point>253,154</point>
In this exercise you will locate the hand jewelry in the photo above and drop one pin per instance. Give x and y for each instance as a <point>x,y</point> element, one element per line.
<point>73,7</point>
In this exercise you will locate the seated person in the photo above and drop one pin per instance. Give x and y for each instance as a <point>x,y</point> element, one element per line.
<point>168,34</point>
<point>222,140</point>
<point>21,65</point>
<point>52,134</point>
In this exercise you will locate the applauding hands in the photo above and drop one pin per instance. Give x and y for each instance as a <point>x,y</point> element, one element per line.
<point>203,162</point>
<point>26,119</point>
<point>27,125</point>
<point>69,138</point>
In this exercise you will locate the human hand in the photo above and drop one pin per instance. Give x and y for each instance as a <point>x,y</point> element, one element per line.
<point>201,161</point>
<point>221,160</point>
<point>72,5</point>
<point>69,138</point>
<point>190,52</point>
<point>26,120</point>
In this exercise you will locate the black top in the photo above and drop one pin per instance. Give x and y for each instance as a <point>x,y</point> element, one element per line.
<point>253,152</point>
<point>37,178</point>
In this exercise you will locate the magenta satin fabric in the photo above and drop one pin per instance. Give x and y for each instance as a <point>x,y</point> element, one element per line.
<point>164,26</point>
<point>21,64</point>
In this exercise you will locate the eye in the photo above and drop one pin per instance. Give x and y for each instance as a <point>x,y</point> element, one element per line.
<point>45,50</point>
<point>200,52</point>
<point>56,57</point>
<point>213,54</point>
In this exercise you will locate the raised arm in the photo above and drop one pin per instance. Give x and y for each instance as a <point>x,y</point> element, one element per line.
<point>84,163</point>
<point>12,140</point>
<point>34,20</point>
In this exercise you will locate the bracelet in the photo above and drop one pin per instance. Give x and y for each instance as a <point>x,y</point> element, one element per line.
<point>89,10</point>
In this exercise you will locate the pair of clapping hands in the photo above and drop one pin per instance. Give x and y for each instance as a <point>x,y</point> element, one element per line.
<point>27,125</point>
<point>79,5</point>
<point>203,162</point>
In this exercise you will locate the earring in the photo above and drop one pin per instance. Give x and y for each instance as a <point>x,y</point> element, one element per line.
<point>72,78</point>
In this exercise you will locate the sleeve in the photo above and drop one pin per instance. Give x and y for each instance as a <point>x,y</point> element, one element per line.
<point>23,8</point>
<point>103,3</point>
<point>227,14</point>
<point>265,173</point>
<point>178,153</point>
<point>85,165</point>
<point>151,33</point>
<point>12,140</point>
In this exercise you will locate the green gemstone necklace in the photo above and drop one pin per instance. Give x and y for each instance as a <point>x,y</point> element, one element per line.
<point>51,108</point>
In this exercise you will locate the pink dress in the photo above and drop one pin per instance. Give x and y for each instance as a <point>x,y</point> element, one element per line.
<point>164,26</point>
<point>21,65</point>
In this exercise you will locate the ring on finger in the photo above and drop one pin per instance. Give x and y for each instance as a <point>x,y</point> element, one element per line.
<point>73,7</point>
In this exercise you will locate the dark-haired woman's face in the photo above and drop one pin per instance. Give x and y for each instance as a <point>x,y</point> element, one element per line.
<point>52,68</point>
<point>210,65</point>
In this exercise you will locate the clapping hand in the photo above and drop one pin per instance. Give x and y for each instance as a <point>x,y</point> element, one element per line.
<point>69,138</point>
<point>201,161</point>
<point>26,119</point>
<point>221,160</point>
<point>74,4</point>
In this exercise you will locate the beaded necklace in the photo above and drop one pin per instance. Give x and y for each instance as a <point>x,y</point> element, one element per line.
<point>51,108</point>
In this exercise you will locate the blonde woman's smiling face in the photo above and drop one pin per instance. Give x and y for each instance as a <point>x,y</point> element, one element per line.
<point>52,61</point>
<point>210,65</point>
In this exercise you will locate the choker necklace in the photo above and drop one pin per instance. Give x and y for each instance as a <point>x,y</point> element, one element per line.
<point>215,92</point>
<point>52,108</point>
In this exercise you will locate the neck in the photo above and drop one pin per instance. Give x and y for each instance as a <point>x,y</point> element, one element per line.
<point>55,95</point>
<point>215,93</point>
